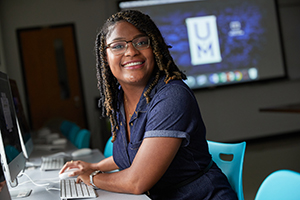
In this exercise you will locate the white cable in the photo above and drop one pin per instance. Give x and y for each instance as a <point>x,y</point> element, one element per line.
<point>36,184</point>
<point>51,188</point>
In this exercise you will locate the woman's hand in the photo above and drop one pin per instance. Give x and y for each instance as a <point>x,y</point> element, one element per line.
<point>149,165</point>
<point>85,177</point>
<point>81,165</point>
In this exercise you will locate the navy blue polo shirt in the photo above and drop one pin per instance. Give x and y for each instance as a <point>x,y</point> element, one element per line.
<point>172,112</point>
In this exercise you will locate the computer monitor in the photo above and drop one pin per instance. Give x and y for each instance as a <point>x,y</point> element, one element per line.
<point>12,158</point>
<point>24,129</point>
<point>219,42</point>
<point>4,193</point>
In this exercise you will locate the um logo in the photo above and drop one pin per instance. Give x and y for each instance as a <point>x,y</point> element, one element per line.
<point>203,40</point>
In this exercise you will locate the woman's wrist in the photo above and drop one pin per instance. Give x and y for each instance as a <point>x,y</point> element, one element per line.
<point>95,166</point>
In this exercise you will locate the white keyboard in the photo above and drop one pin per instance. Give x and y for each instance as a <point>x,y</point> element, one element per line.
<point>52,163</point>
<point>69,189</point>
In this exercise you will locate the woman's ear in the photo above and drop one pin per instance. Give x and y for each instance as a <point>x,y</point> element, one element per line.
<point>105,60</point>
<point>104,57</point>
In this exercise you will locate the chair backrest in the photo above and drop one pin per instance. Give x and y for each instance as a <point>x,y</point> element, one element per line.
<point>65,127</point>
<point>233,167</point>
<point>83,139</point>
<point>11,152</point>
<point>73,133</point>
<point>281,184</point>
<point>108,150</point>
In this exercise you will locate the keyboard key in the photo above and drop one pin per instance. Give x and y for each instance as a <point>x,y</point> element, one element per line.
<point>52,163</point>
<point>79,190</point>
<point>69,189</point>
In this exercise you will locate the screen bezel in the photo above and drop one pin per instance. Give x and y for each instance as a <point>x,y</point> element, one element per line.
<point>27,145</point>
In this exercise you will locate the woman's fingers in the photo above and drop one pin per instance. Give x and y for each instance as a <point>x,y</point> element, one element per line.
<point>70,164</point>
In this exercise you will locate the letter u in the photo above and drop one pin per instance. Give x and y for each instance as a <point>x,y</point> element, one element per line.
<point>197,31</point>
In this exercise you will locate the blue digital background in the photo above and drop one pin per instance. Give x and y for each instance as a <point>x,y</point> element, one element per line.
<point>252,56</point>
<point>237,52</point>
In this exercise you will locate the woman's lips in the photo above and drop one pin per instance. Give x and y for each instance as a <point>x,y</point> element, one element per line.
<point>133,64</point>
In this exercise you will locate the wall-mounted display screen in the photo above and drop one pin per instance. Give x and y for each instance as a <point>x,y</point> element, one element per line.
<point>219,42</point>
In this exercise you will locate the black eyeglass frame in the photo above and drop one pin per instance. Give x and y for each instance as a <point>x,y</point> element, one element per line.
<point>126,46</point>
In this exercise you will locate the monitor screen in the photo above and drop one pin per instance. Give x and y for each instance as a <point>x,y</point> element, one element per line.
<point>26,140</point>
<point>12,157</point>
<point>219,42</point>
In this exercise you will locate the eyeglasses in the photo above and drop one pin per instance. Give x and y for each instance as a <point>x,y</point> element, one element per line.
<point>120,47</point>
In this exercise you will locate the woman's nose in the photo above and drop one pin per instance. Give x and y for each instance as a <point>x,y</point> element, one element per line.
<point>131,50</point>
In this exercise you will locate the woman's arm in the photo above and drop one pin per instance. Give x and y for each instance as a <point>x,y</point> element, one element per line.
<point>106,165</point>
<point>151,162</point>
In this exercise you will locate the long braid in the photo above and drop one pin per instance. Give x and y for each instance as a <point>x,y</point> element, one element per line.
<point>108,84</point>
<point>108,91</point>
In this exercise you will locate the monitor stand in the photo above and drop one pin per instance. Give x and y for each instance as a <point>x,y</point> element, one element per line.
<point>18,193</point>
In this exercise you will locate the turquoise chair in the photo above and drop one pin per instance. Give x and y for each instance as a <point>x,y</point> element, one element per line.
<point>108,150</point>
<point>83,139</point>
<point>230,158</point>
<point>279,185</point>
<point>65,127</point>
<point>11,153</point>
<point>73,133</point>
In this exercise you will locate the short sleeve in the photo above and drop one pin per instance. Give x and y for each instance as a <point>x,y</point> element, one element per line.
<point>171,113</point>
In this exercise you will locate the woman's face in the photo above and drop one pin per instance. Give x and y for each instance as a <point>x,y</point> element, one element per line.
<point>134,66</point>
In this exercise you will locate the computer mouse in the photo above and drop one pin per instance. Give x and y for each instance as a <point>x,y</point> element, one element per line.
<point>59,141</point>
<point>66,173</point>
<point>43,132</point>
<point>81,152</point>
<point>51,137</point>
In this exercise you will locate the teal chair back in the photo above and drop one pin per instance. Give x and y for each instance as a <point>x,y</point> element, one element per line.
<point>73,133</point>
<point>279,185</point>
<point>83,139</point>
<point>230,159</point>
<point>65,127</point>
<point>11,153</point>
<point>108,150</point>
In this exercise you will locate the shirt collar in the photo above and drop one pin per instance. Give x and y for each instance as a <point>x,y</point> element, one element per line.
<point>142,102</point>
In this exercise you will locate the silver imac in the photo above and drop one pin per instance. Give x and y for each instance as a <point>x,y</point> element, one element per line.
<point>12,158</point>
<point>22,124</point>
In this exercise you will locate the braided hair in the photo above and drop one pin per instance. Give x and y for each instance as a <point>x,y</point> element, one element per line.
<point>108,84</point>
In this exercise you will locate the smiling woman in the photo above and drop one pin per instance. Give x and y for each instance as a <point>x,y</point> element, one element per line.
<point>158,133</point>
<point>130,64</point>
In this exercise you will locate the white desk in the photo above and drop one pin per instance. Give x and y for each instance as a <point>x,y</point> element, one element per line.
<point>42,177</point>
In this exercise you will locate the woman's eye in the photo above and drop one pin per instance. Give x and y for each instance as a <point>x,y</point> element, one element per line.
<point>118,46</point>
<point>142,42</point>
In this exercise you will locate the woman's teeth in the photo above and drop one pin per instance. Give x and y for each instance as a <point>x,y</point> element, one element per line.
<point>132,64</point>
